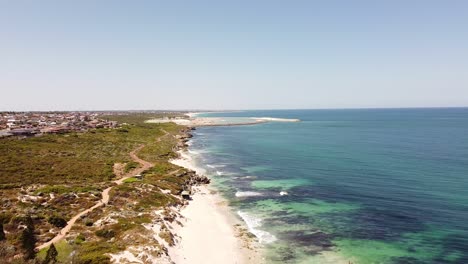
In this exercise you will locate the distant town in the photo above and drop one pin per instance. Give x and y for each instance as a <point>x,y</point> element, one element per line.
<point>38,123</point>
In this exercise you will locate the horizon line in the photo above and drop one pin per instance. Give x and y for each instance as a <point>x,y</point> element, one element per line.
<point>236,110</point>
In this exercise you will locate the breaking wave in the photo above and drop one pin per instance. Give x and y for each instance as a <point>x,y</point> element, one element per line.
<point>252,224</point>
<point>247,194</point>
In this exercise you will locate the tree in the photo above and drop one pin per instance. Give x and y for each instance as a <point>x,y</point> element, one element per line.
<point>27,243</point>
<point>2,233</point>
<point>51,256</point>
<point>28,239</point>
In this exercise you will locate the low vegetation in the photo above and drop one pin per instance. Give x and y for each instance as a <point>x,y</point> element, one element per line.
<point>130,166</point>
<point>46,180</point>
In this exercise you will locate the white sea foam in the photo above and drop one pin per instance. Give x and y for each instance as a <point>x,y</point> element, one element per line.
<point>247,194</point>
<point>249,177</point>
<point>188,162</point>
<point>219,173</point>
<point>253,223</point>
<point>216,165</point>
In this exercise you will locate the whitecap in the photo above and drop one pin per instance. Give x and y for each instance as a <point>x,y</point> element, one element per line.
<point>252,224</point>
<point>283,193</point>
<point>216,165</point>
<point>249,177</point>
<point>247,194</point>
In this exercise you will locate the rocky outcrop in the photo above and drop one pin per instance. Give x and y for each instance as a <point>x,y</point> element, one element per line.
<point>194,179</point>
<point>183,138</point>
<point>199,179</point>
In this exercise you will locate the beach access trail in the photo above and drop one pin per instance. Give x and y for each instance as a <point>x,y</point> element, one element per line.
<point>144,165</point>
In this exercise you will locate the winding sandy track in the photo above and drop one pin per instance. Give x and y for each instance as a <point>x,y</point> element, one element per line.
<point>105,194</point>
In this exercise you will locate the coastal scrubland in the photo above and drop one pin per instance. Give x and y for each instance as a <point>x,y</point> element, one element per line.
<point>44,181</point>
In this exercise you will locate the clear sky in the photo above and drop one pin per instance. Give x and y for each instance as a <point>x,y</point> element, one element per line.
<point>89,54</point>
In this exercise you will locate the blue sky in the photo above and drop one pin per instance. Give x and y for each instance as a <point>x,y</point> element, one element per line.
<point>75,55</point>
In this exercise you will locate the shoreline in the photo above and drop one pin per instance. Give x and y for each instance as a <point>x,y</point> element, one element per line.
<point>210,231</point>
<point>194,121</point>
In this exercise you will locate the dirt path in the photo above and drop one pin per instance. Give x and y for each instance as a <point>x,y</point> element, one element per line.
<point>105,194</point>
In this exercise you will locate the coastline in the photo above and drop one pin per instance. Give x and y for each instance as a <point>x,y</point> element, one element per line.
<point>195,121</point>
<point>209,231</point>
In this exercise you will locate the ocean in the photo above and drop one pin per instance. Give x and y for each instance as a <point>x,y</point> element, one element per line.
<point>346,186</point>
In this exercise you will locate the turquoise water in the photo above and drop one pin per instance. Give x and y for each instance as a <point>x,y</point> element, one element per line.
<point>366,186</point>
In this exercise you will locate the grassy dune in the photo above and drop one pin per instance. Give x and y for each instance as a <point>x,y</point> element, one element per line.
<point>66,173</point>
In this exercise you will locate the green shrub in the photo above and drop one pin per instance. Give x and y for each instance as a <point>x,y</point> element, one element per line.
<point>88,222</point>
<point>5,217</point>
<point>130,180</point>
<point>80,239</point>
<point>131,165</point>
<point>93,252</point>
<point>105,233</point>
<point>57,221</point>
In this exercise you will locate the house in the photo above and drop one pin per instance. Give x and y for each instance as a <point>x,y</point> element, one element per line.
<point>11,123</point>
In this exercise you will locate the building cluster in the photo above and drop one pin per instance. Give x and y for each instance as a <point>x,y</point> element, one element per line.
<point>30,123</point>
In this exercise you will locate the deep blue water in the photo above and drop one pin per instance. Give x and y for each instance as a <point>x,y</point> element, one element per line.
<point>366,186</point>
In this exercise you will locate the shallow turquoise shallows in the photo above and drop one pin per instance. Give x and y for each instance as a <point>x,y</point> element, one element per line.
<point>365,186</point>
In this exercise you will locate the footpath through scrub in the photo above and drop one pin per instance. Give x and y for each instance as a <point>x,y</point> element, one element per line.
<point>145,165</point>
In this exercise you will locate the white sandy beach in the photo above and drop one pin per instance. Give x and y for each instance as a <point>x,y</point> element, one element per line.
<point>209,234</point>
<point>194,121</point>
